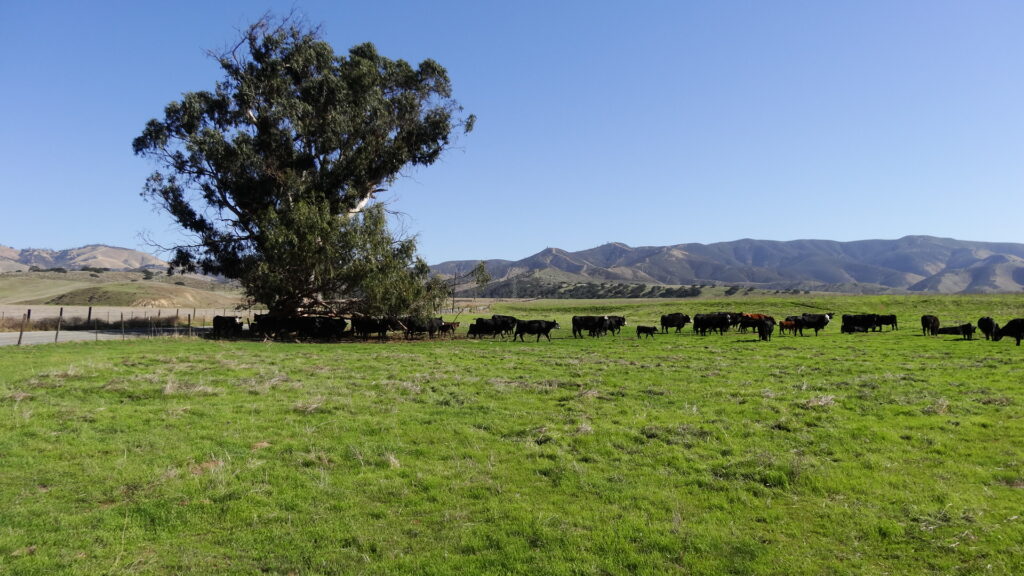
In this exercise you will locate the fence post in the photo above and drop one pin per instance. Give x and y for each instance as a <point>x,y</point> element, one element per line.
<point>122,325</point>
<point>60,318</point>
<point>24,319</point>
<point>88,318</point>
<point>189,325</point>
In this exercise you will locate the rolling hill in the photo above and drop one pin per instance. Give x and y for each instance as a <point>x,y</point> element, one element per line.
<point>909,264</point>
<point>91,256</point>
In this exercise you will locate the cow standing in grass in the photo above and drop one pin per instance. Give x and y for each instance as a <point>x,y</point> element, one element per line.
<point>676,320</point>
<point>987,326</point>
<point>1014,329</point>
<point>538,327</point>
<point>646,331</point>
<point>929,325</point>
<point>227,326</point>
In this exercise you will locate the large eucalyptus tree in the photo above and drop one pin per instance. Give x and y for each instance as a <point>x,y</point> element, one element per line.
<point>272,174</point>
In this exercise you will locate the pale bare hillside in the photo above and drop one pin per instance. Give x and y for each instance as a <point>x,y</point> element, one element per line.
<point>134,289</point>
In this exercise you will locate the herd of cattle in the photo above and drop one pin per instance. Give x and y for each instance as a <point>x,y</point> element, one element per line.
<point>321,327</point>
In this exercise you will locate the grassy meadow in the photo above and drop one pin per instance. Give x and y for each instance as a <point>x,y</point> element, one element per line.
<point>878,453</point>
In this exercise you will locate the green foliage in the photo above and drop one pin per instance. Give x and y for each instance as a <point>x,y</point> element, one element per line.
<point>269,171</point>
<point>873,453</point>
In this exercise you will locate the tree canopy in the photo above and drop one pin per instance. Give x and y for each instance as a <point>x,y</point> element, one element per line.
<point>273,173</point>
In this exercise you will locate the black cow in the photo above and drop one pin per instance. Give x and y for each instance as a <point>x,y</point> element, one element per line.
<point>965,330</point>
<point>615,324</point>
<point>415,325</point>
<point>814,322</point>
<point>676,320</point>
<point>859,323</point>
<point>363,326</point>
<point>713,322</point>
<point>987,326</point>
<point>594,325</point>
<point>316,327</point>
<point>753,321</point>
<point>646,331</point>
<point>1014,329</point>
<point>765,327</point>
<point>887,320</point>
<point>538,327</point>
<point>929,325</point>
<point>484,327</point>
<point>504,324</point>
<point>227,326</point>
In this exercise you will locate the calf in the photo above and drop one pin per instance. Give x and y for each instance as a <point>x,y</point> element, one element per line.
<point>538,327</point>
<point>646,331</point>
<point>1014,329</point>
<point>449,328</point>
<point>787,325</point>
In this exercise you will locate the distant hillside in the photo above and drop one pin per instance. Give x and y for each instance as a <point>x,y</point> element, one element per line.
<point>909,264</point>
<point>117,288</point>
<point>92,256</point>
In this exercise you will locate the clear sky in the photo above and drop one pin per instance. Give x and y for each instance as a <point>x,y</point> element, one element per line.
<point>642,122</point>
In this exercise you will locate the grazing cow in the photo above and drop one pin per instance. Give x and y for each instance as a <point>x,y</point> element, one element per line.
<point>859,323</point>
<point>646,331</point>
<point>415,325</point>
<point>484,327</point>
<point>505,324</point>
<point>594,325</point>
<point>987,326</point>
<point>676,320</point>
<point>965,330</point>
<point>713,322</point>
<point>887,320</point>
<point>814,322</point>
<point>227,326</point>
<point>538,327</point>
<point>929,325</point>
<point>1014,329</point>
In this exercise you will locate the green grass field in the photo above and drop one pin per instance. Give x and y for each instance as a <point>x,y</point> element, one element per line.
<point>878,453</point>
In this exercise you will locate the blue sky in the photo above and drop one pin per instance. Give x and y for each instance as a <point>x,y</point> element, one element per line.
<point>644,122</point>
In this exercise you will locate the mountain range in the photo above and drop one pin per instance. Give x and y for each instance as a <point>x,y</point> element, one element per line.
<point>92,256</point>
<point>908,264</point>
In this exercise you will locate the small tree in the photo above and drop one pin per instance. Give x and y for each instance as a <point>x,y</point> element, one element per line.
<point>273,173</point>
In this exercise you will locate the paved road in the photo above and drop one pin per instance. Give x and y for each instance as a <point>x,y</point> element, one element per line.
<point>11,338</point>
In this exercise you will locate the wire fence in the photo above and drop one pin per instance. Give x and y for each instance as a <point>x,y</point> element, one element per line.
<point>108,320</point>
<point>127,322</point>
